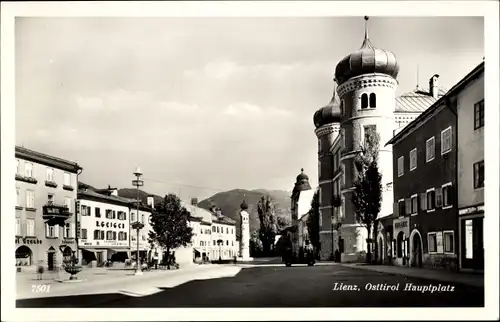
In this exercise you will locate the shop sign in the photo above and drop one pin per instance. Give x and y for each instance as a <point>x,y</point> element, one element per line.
<point>402,224</point>
<point>67,241</point>
<point>471,210</point>
<point>28,240</point>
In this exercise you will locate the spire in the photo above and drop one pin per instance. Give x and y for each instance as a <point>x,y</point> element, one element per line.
<point>366,41</point>
<point>302,170</point>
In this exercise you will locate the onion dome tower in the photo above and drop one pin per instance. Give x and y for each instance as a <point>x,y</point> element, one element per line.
<point>366,88</point>
<point>301,184</point>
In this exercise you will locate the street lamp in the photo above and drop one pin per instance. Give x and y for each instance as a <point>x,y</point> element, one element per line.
<point>137,225</point>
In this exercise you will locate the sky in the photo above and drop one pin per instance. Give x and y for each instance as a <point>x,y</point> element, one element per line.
<point>207,104</point>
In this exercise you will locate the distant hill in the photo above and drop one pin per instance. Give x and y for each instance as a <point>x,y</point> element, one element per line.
<point>230,201</point>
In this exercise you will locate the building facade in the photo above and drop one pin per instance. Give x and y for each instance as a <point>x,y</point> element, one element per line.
<point>224,244</point>
<point>104,219</point>
<point>470,166</point>
<point>46,188</point>
<point>425,223</point>
<point>365,101</point>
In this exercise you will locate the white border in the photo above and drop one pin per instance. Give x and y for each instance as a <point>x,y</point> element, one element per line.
<point>488,9</point>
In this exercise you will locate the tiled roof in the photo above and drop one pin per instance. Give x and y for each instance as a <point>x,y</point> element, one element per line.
<point>91,193</point>
<point>23,153</point>
<point>416,100</point>
<point>197,212</point>
<point>223,220</point>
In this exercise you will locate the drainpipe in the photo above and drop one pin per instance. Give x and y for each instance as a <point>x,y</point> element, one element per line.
<point>455,188</point>
<point>78,172</point>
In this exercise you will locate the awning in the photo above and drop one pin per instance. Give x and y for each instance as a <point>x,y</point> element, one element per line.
<point>118,250</point>
<point>91,250</point>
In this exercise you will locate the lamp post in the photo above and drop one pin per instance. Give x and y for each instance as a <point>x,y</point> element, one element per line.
<point>137,225</point>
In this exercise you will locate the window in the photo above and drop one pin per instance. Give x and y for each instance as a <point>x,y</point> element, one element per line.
<point>102,234</point>
<point>430,149</point>
<point>414,204</point>
<point>18,226</point>
<point>85,210</point>
<point>214,242</point>
<point>50,174</point>
<point>97,234</point>
<point>423,201</point>
<point>227,242</point>
<point>30,199</point>
<point>401,207</point>
<point>320,220</point>
<point>28,169</point>
<point>18,197</point>
<point>479,115</point>
<point>373,100</point>
<point>109,235</point>
<point>446,141</point>
<point>97,212</point>
<point>67,203</point>
<point>67,230</point>
<point>132,216</point>
<point>319,147</point>
<point>84,233</point>
<point>342,108</point>
<point>50,199</point>
<point>448,242</point>
<point>479,174</point>
<point>432,243</point>
<point>217,229</point>
<point>142,219</point>
<point>30,227</point>
<point>125,236</point>
<point>109,214</point>
<point>114,235</point>
<point>67,180</point>
<point>52,231</point>
<point>18,163</point>
<point>401,169</point>
<point>364,101</point>
<point>447,195</point>
<point>114,214</point>
<point>413,159</point>
<point>431,199</point>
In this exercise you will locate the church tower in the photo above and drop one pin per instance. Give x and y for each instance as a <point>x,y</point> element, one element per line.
<point>366,88</point>
<point>327,123</point>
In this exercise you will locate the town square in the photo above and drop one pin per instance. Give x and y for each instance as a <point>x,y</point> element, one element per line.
<point>250,162</point>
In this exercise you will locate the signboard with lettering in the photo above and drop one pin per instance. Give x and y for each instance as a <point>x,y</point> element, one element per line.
<point>105,243</point>
<point>439,242</point>
<point>402,224</point>
<point>28,240</point>
<point>471,210</point>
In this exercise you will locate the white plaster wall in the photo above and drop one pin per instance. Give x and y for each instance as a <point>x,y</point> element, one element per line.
<point>470,143</point>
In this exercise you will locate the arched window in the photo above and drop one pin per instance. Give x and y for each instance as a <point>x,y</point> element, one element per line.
<point>364,100</point>
<point>342,108</point>
<point>373,100</point>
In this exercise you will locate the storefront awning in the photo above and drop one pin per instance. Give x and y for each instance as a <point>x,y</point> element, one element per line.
<point>118,250</point>
<point>91,250</point>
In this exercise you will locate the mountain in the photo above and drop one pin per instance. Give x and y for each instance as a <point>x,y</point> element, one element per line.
<point>230,201</point>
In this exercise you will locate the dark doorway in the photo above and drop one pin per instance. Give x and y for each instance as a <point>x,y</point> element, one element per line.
<point>50,261</point>
<point>417,251</point>
<point>472,243</point>
<point>99,258</point>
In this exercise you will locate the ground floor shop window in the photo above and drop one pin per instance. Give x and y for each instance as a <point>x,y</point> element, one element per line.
<point>432,242</point>
<point>448,241</point>
<point>24,256</point>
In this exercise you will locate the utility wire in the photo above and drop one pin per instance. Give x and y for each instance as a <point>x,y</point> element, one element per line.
<point>183,185</point>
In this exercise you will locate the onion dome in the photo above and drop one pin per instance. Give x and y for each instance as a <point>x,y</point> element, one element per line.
<point>302,183</point>
<point>302,176</point>
<point>328,114</point>
<point>366,60</point>
<point>244,205</point>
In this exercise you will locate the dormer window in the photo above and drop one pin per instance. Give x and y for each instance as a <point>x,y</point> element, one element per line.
<point>373,100</point>
<point>364,101</point>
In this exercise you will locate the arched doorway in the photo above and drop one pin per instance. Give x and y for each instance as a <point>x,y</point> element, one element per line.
<point>380,251</point>
<point>24,256</point>
<point>416,249</point>
<point>51,258</point>
<point>400,244</point>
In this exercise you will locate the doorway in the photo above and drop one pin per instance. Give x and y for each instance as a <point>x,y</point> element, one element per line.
<point>417,251</point>
<point>99,258</point>
<point>50,260</point>
<point>472,243</point>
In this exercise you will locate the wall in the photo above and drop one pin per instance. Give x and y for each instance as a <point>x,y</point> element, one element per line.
<point>228,234</point>
<point>40,244</point>
<point>470,144</point>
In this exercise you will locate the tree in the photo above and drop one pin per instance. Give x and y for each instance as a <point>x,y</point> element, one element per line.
<point>170,225</point>
<point>255,245</point>
<point>313,221</point>
<point>282,223</point>
<point>267,232</point>
<point>367,195</point>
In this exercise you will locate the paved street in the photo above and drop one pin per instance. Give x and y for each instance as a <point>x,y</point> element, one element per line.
<point>274,285</point>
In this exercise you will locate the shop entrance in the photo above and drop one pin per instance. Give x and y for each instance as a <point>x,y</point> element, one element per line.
<point>472,243</point>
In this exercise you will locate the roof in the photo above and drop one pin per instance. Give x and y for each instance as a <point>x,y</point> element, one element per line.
<point>95,195</point>
<point>416,101</point>
<point>27,154</point>
<point>223,220</point>
<point>478,70</point>
<point>197,212</point>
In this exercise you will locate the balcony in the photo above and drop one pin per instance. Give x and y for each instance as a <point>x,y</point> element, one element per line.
<point>55,214</point>
<point>26,179</point>
<point>51,184</point>
<point>68,187</point>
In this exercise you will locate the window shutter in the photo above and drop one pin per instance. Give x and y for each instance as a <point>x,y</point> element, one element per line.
<point>423,201</point>
<point>72,230</point>
<point>395,209</point>
<point>56,231</point>
<point>102,234</point>
<point>450,195</point>
<point>407,206</point>
<point>439,197</point>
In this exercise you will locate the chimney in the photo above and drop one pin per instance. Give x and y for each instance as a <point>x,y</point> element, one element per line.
<point>113,192</point>
<point>194,202</point>
<point>151,202</point>
<point>218,211</point>
<point>433,86</point>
